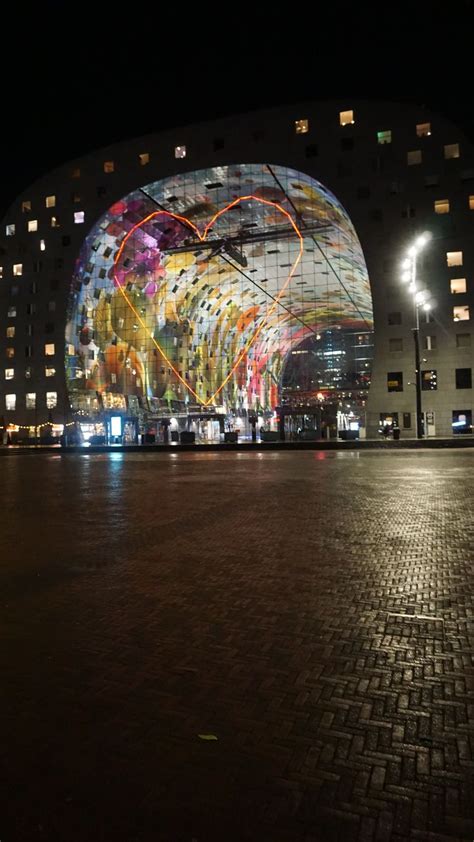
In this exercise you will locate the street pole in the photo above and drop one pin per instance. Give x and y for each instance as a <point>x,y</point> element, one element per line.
<point>420,298</point>
<point>419,417</point>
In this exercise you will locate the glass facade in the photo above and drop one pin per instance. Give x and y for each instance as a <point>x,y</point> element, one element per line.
<point>225,291</point>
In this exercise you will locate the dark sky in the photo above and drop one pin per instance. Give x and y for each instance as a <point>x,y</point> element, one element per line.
<point>79,76</point>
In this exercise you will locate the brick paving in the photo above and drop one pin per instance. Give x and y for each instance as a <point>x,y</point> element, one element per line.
<point>311,610</point>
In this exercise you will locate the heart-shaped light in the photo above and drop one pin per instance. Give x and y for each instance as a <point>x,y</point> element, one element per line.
<point>202,237</point>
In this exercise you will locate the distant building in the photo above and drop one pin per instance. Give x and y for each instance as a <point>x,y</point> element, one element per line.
<point>243,271</point>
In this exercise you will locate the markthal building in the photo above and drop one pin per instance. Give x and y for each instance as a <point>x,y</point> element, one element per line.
<point>224,278</point>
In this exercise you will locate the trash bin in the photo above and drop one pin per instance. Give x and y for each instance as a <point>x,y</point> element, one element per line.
<point>396,433</point>
<point>187,437</point>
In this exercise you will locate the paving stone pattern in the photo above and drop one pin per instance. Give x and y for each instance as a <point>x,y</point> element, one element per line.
<point>312,610</point>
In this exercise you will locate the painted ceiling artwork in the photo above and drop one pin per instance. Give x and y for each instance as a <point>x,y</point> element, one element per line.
<point>195,288</point>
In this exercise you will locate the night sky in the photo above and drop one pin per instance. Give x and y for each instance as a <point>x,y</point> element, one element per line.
<point>77,77</point>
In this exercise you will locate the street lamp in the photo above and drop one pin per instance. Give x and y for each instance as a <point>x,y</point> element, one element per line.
<point>421,298</point>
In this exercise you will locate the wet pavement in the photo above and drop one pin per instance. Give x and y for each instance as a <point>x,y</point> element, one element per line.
<point>238,646</point>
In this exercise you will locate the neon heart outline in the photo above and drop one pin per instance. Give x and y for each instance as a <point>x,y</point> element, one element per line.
<point>202,237</point>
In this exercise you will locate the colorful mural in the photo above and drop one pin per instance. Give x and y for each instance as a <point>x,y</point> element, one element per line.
<point>195,288</point>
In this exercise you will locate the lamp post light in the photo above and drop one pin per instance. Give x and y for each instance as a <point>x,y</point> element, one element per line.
<point>421,298</point>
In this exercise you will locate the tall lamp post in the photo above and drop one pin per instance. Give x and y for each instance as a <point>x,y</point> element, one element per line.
<point>421,298</point>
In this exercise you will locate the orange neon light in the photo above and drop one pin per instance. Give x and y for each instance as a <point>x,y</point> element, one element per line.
<point>202,237</point>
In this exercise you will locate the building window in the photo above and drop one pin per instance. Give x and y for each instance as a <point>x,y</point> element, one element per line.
<point>454,258</point>
<point>18,268</point>
<point>32,225</point>
<point>10,332</point>
<point>51,306</point>
<point>180,152</point>
<point>42,245</point>
<point>11,311</point>
<point>76,173</point>
<point>394,318</point>
<point>431,180</point>
<point>395,381</point>
<point>429,380</point>
<point>28,351</point>
<point>31,308</point>
<point>471,202</point>
<point>66,240</point>
<point>109,166</point>
<point>49,372</point>
<point>50,201</point>
<point>463,340</point>
<point>54,284</point>
<point>30,330</point>
<point>301,126</point>
<point>10,230</point>
<point>463,378</point>
<point>429,343</point>
<point>346,118</point>
<point>384,137</point>
<point>49,349</point>
<point>30,400</point>
<point>10,353</point>
<point>51,400</point>
<point>395,344</point>
<point>423,129</point>
<point>54,222</point>
<point>451,150</point>
<point>144,159</point>
<point>10,402</point>
<point>462,421</point>
<point>79,217</point>
<point>457,285</point>
<point>406,420</point>
<point>414,157</point>
<point>441,206</point>
<point>9,373</point>
<point>25,207</point>
<point>461,313</point>
<point>28,372</point>
<point>1,271</point>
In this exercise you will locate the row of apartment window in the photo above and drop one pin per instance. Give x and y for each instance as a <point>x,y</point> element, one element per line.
<point>461,313</point>
<point>32,226</point>
<point>49,349</point>
<point>461,420</point>
<point>429,380</point>
<point>48,372</point>
<point>30,401</point>
<point>430,342</point>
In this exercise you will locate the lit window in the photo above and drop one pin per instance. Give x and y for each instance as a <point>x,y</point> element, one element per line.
<point>10,402</point>
<point>28,372</point>
<point>49,372</point>
<point>42,245</point>
<point>79,217</point>
<point>471,202</point>
<point>463,340</point>
<point>54,222</point>
<point>144,159</point>
<point>301,126</point>
<point>441,206</point>
<point>429,343</point>
<point>346,118</point>
<point>451,150</point>
<point>50,201</point>
<point>454,258</point>
<point>429,381</point>
<point>423,129</point>
<point>395,381</point>
<point>457,285</point>
<point>76,173</point>
<point>9,373</point>
<point>18,268</point>
<point>49,349</point>
<point>30,400</point>
<point>51,400</point>
<point>71,350</point>
<point>384,137</point>
<point>10,353</point>
<point>414,157</point>
<point>75,198</point>
<point>109,166</point>
<point>10,332</point>
<point>11,311</point>
<point>1,271</point>
<point>10,230</point>
<point>461,314</point>
<point>180,152</point>
<point>25,207</point>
